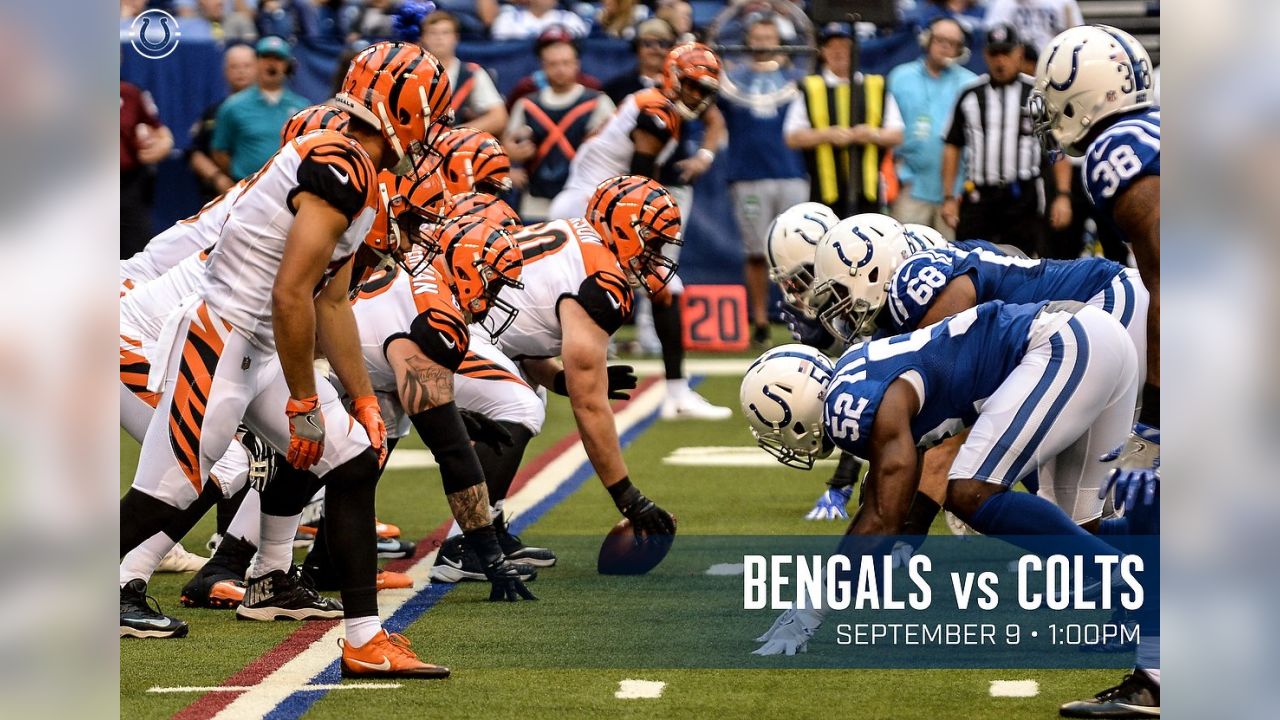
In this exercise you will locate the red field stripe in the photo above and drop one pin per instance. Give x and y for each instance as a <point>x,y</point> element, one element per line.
<point>210,704</point>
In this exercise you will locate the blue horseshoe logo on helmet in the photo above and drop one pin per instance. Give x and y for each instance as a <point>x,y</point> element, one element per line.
<point>865,259</point>
<point>1075,68</point>
<point>786,409</point>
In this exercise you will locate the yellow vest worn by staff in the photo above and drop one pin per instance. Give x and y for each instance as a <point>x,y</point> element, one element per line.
<point>829,167</point>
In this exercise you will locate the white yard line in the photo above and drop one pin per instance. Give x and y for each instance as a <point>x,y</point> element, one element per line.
<point>1014,688</point>
<point>695,366</point>
<point>639,689</point>
<point>243,688</point>
<point>294,675</point>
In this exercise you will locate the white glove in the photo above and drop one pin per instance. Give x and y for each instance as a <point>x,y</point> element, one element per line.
<point>831,505</point>
<point>790,633</point>
<point>901,554</point>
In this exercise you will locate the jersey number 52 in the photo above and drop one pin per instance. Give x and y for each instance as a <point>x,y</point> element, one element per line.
<point>849,416</point>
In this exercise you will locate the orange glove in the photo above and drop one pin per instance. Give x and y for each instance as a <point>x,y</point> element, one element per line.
<point>369,415</point>
<point>306,432</point>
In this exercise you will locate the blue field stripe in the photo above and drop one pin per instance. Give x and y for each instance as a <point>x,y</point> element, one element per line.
<point>297,704</point>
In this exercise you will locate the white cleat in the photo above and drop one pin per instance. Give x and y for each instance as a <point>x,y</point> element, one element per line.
<point>692,406</point>
<point>179,560</point>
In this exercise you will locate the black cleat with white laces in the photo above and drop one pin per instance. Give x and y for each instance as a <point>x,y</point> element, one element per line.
<point>1137,696</point>
<point>140,615</point>
<point>285,596</point>
<point>456,562</point>
<point>516,551</point>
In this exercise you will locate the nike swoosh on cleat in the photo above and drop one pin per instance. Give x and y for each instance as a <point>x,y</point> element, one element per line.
<point>153,622</point>
<point>457,564</point>
<point>382,666</point>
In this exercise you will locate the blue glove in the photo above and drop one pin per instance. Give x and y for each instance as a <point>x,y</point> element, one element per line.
<point>831,504</point>
<point>1138,494</point>
<point>805,330</point>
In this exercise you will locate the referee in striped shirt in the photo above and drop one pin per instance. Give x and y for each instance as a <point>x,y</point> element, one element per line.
<point>1003,199</point>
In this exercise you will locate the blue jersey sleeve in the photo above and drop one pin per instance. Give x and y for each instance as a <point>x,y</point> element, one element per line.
<point>1125,152</point>
<point>914,286</point>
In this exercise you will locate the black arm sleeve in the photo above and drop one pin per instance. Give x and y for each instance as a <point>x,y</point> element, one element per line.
<point>644,165</point>
<point>445,435</point>
<point>441,336</point>
<point>607,300</point>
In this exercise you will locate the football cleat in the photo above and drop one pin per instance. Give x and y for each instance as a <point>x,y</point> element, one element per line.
<point>693,406</point>
<point>391,580</point>
<point>516,551</point>
<point>304,537</point>
<point>323,578</point>
<point>1137,696</point>
<point>386,531</point>
<point>393,548</point>
<point>285,596</point>
<point>178,559</point>
<point>387,655</point>
<point>140,614</point>
<point>213,588</point>
<point>455,562</point>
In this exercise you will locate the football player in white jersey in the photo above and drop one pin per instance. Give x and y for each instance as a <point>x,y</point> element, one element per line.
<point>243,348</point>
<point>638,139</point>
<point>1094,97</point>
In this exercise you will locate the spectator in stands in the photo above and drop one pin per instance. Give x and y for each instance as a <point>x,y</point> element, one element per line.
<point>526,19</point>
<point>680,16</point>
<point>654,38</point>
<point>765,176</point>
<point>211,18</point>
<point>618,18</point>
<point>538,79</point>
<point>247,127</point>
<point>476,102</point>
<point>239,67</point>
<point>1002,189</point>
<point>968,13</point>
<point>475,16</point>
<point>547,127</point>
<point>373,19</point>
<point>842,153</point>
<point>1036,21</point>
<point>144,141</point>
<point>922,94</point>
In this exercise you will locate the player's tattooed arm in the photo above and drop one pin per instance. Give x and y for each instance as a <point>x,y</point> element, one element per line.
<point>421,383</point>
<point>470,506</point>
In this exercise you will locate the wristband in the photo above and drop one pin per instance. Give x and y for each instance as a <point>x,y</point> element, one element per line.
<point>558,384</point>
<point>707,153</point>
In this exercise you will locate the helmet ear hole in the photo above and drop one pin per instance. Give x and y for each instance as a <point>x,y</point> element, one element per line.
<point>798,428</point>
<point>1069,110</point>
<point>874,275</point>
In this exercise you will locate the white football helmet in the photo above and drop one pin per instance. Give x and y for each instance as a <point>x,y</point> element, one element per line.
<point>789,247</point>
<point>1087,74</point>
<point>852,269</point>
<point>782,397</point>
<point>922,237</point>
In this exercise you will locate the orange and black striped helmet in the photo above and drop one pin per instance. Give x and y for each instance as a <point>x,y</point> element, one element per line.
<point>409,211</point>
<point>635,216</point>
<point>316,117</point>
<point>475,160</point>
<point>482,258</point>
<point>492,208</point>
<point>403,91</point>
<point>691,78</point>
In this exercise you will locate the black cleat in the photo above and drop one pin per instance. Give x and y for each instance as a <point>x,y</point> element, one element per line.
<point>285,596</point>
<point>214,588</point>
<point>140,614</point>
<point>1137,696</point>
<point>393,548</point>
<point>516,551</point>
<point>455,562</point>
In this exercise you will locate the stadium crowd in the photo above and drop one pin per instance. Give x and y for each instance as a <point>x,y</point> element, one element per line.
<point>902,152</point>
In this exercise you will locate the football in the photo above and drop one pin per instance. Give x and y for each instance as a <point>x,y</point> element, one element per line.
<point>622,553</point>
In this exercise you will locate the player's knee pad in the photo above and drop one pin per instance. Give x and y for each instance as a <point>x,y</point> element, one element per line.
<point>289,491</point>
<point>445,435</point>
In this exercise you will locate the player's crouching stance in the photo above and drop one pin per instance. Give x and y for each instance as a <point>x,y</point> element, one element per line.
<point>276,284</point>
<point>1054,381</point>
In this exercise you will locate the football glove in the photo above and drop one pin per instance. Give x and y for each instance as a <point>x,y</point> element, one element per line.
<point>306,432</point>
<point>831,504</point>
<point>646,517</point>
<point>502,575</point>
<point>369,415</point>
<point>790,633</point>
<point>622,380</point>
<point>483,430</point>
<point>808,331</point>
<point>262,459</point>
<point>901,553</point>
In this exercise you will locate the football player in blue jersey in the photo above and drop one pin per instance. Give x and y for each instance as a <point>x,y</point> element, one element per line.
<point>1056,382</point>
<point>1094,97</point>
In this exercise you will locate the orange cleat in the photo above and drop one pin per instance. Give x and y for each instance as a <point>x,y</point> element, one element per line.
<point>386,531</point>
<point>387,655</point>
<point>388,580</point>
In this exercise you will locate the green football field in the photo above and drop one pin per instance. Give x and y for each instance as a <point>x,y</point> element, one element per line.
<point>565,655</point>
